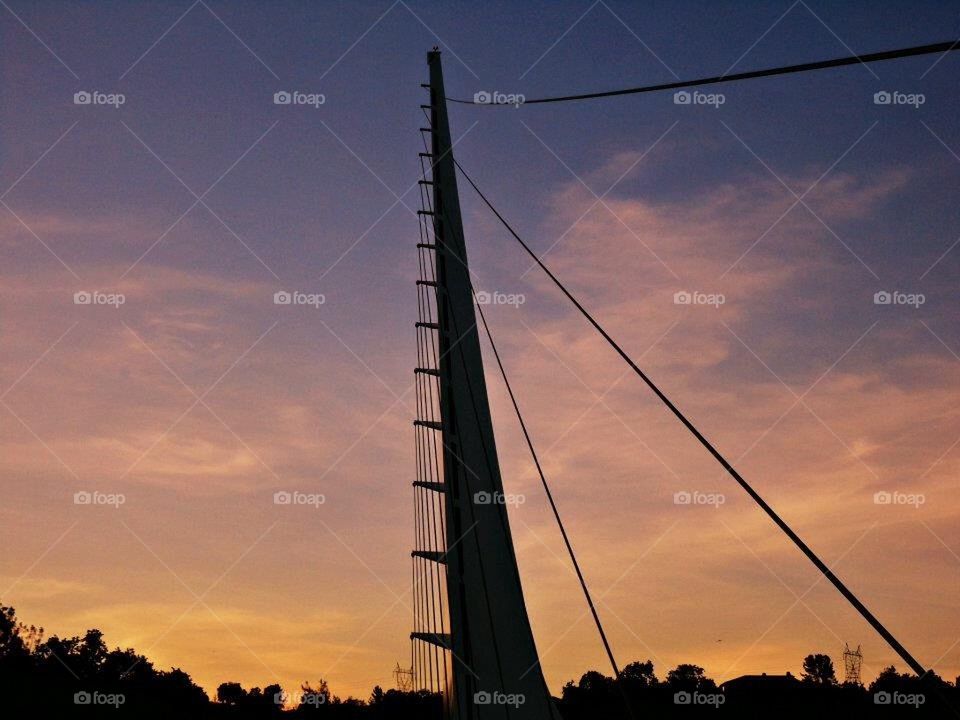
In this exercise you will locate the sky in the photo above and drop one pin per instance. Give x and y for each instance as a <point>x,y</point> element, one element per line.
<point>781,209</point>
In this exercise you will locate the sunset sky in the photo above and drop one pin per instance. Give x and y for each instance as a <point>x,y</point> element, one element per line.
<point>198,398</point>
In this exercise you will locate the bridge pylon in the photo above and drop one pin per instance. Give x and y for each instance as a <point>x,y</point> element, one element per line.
<point>472,639</point>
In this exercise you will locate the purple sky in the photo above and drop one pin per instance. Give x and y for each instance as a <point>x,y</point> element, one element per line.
<point>198,398</point>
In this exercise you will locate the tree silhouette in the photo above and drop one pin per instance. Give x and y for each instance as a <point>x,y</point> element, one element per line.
<point>690,678</point>
<point>596,682</point>
<point>16,639</point>
<point>231,693</point>
<point>315,699</point>
<point>818,669</point>
<point>639,675</point>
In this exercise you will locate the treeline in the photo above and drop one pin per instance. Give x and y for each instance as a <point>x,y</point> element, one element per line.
<point>80,676</point>
<point>687,692</point>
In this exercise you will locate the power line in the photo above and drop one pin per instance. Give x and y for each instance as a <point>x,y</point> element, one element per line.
<point>803,67</point>
<point>821,566</point>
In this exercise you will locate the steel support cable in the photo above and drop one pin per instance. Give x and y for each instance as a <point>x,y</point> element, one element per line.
<point>427,349</point>
<point>427,540</point>
<point>430,540</point>
<point>425,412</point>
<point>418,539</point>
<point>803,67</point>
<point>821,566</point>
<point>427,341</point>
<point>430,349</point>
<point>546,488</point>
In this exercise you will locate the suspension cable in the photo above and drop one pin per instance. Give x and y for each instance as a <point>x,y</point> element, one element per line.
<point>546,488</point>
<point>943,47</point>
<point>821,566</point>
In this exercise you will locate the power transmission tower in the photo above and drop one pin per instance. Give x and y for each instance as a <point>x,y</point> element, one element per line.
<point>852,662</point>
<point>404,678</point>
